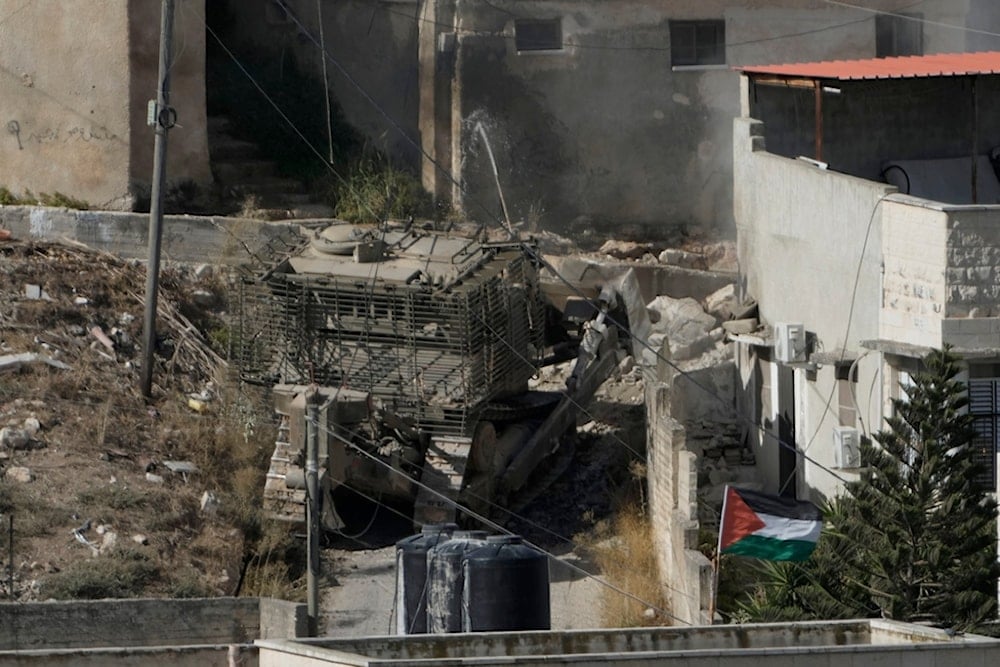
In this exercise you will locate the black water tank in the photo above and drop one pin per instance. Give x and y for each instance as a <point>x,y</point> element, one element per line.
<point>445,579</point>
<point>411,576</point>
<point>506,587</point>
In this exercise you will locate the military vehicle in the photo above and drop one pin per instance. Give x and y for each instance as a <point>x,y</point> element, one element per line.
<point>419,345</point>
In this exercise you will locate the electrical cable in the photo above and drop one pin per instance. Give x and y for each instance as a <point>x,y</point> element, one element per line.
<point>493,525</point>
<point>917,19</point>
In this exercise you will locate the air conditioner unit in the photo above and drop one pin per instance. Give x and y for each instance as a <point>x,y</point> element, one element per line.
<point>846,447</point>
<point>789,342</point>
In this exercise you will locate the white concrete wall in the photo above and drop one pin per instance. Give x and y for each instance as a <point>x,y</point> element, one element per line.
<point>805,236</point>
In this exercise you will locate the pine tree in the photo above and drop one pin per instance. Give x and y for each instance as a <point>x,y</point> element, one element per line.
<point>914,538</point>
<point>924,530</point>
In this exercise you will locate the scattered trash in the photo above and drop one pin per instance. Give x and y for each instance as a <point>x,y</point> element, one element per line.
<point>81,301</point>
<point>209,503</point>
<point>139,538</point>
<point>98,333</point>
<point>12,362</point>
<point>197,405</point>
<point>35,293</point>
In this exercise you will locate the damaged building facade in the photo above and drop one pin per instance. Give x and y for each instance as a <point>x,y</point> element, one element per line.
<point>598,116</point>
<point>867,204</point>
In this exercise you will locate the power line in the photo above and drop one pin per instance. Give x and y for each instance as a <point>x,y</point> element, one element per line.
<point>908,17</point>
<point>495,526</point>
<point>542,262</point>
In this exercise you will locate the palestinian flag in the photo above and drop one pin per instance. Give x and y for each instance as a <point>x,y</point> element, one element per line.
<point>768,527</point>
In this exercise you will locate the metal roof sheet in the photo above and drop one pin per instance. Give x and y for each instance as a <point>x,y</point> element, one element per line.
<point>902,67</point>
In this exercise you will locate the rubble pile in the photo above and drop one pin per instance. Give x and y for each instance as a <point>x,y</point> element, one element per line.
<point>85,462</point>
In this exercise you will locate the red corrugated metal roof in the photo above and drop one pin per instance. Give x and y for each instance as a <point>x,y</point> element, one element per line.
<point>940,64</point>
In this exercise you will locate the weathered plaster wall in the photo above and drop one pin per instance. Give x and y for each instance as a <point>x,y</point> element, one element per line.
<point>74,77</point>
<point>809,242</point>
<point>605,135</point>
<point>914,284</point>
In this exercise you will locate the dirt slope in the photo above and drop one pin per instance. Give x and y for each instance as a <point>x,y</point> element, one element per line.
<point>96,511</point>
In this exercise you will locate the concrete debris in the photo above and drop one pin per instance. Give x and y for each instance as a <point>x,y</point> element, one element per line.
<point>687,327</point>
<point>722,302</point>
<point>154,478</point>
<point>12,362</point>
<point>683,259</point>
<point>737,327</point>
<point>19,474</point>
<point>209,503</point>
<point>722,257</point>
<point>109,541</point>
<point>625,249</point>
<point>14,438</point>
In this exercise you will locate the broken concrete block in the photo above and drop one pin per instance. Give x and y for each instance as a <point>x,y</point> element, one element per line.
<point>737,327</point>
<point>14,438</point>
<point>32,426</point>
<point>686,325</point>
<point>12,362</point>
<point>625,249</point>
<point>109,541</point>
<point>19,474</point>
<point>682,258</point>
<point>722,302</point>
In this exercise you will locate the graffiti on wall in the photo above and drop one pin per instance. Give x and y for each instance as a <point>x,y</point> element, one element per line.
<point>52,135</point>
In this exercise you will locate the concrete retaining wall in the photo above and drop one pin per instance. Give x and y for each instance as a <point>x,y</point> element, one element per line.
<point>186,238</point>
<point>145,623</point>
<point>172,656</point>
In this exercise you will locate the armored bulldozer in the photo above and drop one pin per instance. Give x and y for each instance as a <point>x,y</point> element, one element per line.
<point>418,346</point>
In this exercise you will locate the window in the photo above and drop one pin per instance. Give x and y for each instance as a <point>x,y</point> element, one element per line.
<point>984,404</point>
<point>900,35</point>
<point>697,43</point>
<point>847,412</point>
<point>538,34</point>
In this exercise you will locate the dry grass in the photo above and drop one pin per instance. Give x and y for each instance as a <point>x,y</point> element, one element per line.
<point>624,552</point>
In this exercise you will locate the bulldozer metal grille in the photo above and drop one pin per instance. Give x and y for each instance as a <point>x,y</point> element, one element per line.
<point>435,356</point>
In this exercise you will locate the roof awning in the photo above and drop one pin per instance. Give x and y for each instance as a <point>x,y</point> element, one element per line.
<point>902,67</point>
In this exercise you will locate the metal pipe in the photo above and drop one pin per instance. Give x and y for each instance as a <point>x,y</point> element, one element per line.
<point>312,508</point>
<point>164,121</point>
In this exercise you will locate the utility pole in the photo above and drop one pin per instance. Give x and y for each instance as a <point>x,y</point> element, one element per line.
<point>163,116</point>
<point>312,509</point>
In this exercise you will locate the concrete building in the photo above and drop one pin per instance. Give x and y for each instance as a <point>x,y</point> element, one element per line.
<point>75,76</point>
<point>868,215</point>
<point>615,118</point>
